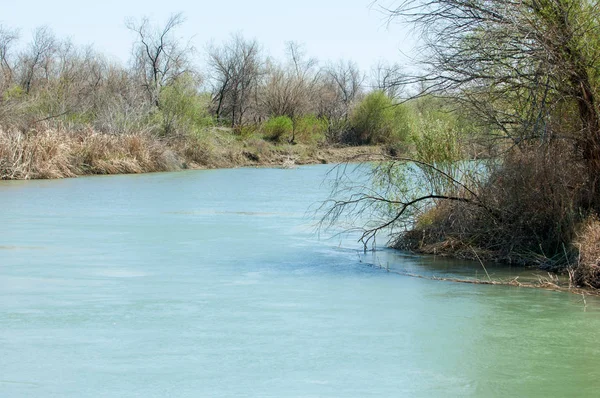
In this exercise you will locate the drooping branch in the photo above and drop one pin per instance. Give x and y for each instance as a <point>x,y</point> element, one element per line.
<point>376,205</point>
<point>491,55</point>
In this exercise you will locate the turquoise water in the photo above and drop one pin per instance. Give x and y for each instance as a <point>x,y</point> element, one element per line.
<point>214,284</point>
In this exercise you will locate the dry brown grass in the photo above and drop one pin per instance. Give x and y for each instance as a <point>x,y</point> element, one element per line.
<point>33,155</point>
<point>587,272</point>
<point>536,197</point>
<point>57,154</point>
<point>108,154</point>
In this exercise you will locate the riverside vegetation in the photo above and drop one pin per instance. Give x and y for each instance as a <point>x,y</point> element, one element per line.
<point>496,158</point>
<point>522,79</point>
<point>68,111</point>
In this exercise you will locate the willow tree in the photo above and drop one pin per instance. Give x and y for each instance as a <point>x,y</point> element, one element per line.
<point>528,73</point>
<point>519,65</point>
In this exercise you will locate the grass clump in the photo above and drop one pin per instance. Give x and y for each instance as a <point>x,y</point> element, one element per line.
<point>587,272</point>
<point>277,128</point>
<point>57,154</point>
<point>310,130</point>
<point>377,120</point>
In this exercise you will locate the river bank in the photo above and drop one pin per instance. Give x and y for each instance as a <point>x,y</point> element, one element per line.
<point>52,154</point>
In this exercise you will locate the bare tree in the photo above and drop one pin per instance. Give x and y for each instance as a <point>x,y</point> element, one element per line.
<point>234,71</point>
<point>74,79</point>
<point>120,105</point>
<point>159,57</point>
<point>521,66</point>
<point>388,78</point>
<point>346,79</point>
<point>36,60</point>
<point>7,39</point>
<point>339,88</point>
<point>527,70</point>
<point>533,53</point>
<point>290,89</point>
<point>304,68</point>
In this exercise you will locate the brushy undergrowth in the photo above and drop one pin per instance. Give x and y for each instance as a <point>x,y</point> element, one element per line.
<point>532,208</point>
<point>587,272</point>
<point>277,128</point>
<point>378,120</point>
<point>57,153</point>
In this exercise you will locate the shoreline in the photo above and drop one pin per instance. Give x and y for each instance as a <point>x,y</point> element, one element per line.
<point>55,154</point>
<point>59,154</point>
<point>542,284</point>
<point>550,283</point>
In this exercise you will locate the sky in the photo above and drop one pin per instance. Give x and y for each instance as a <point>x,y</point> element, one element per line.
<point>328,29</point>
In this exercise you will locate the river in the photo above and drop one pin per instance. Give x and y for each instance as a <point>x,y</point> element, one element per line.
<point>214,284</point>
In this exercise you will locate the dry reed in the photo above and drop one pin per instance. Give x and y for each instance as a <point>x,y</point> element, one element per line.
<point>587,272</point>
<point>57,154</point>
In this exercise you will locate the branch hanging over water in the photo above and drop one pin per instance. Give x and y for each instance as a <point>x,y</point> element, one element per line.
<point>390,194</point>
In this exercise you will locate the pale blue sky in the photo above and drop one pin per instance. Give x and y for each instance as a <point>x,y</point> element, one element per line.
<point>330,29</point>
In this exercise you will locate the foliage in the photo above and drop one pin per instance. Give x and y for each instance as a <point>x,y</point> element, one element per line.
<point>14,92</point>
<point>276,128</point>
<point>247,131</point>
<point>438,137</point>
<point>310,130</point>
<point>526,75</point>
<point>378,120</point>
<point>182,109</point>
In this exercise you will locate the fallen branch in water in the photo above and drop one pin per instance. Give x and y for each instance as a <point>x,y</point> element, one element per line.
<point>543,283</point>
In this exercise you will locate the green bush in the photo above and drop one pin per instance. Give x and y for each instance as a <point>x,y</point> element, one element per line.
<point>438,142</point>
<point>14,92</point>
<point>247,131</point>
<point>182,109</point>
<point>377,120</point>
<point>310,130</point>
<point>277,127</point>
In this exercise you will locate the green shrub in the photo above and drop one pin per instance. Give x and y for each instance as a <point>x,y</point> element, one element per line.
<point>246,131</point>
<point>14,92</point>
<point>377,120</point>
<point>277,127</point>
<point>182,110</point>
<point>310,130</point>
<point>438,143</point>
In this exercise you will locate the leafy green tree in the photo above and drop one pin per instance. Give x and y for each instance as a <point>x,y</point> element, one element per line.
<point>526,73</point>
<point>278,127</point>
<point>183,109</point>
<point>378,120</point>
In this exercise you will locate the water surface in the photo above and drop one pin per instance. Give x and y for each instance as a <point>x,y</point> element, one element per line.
<point>213,284</point>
